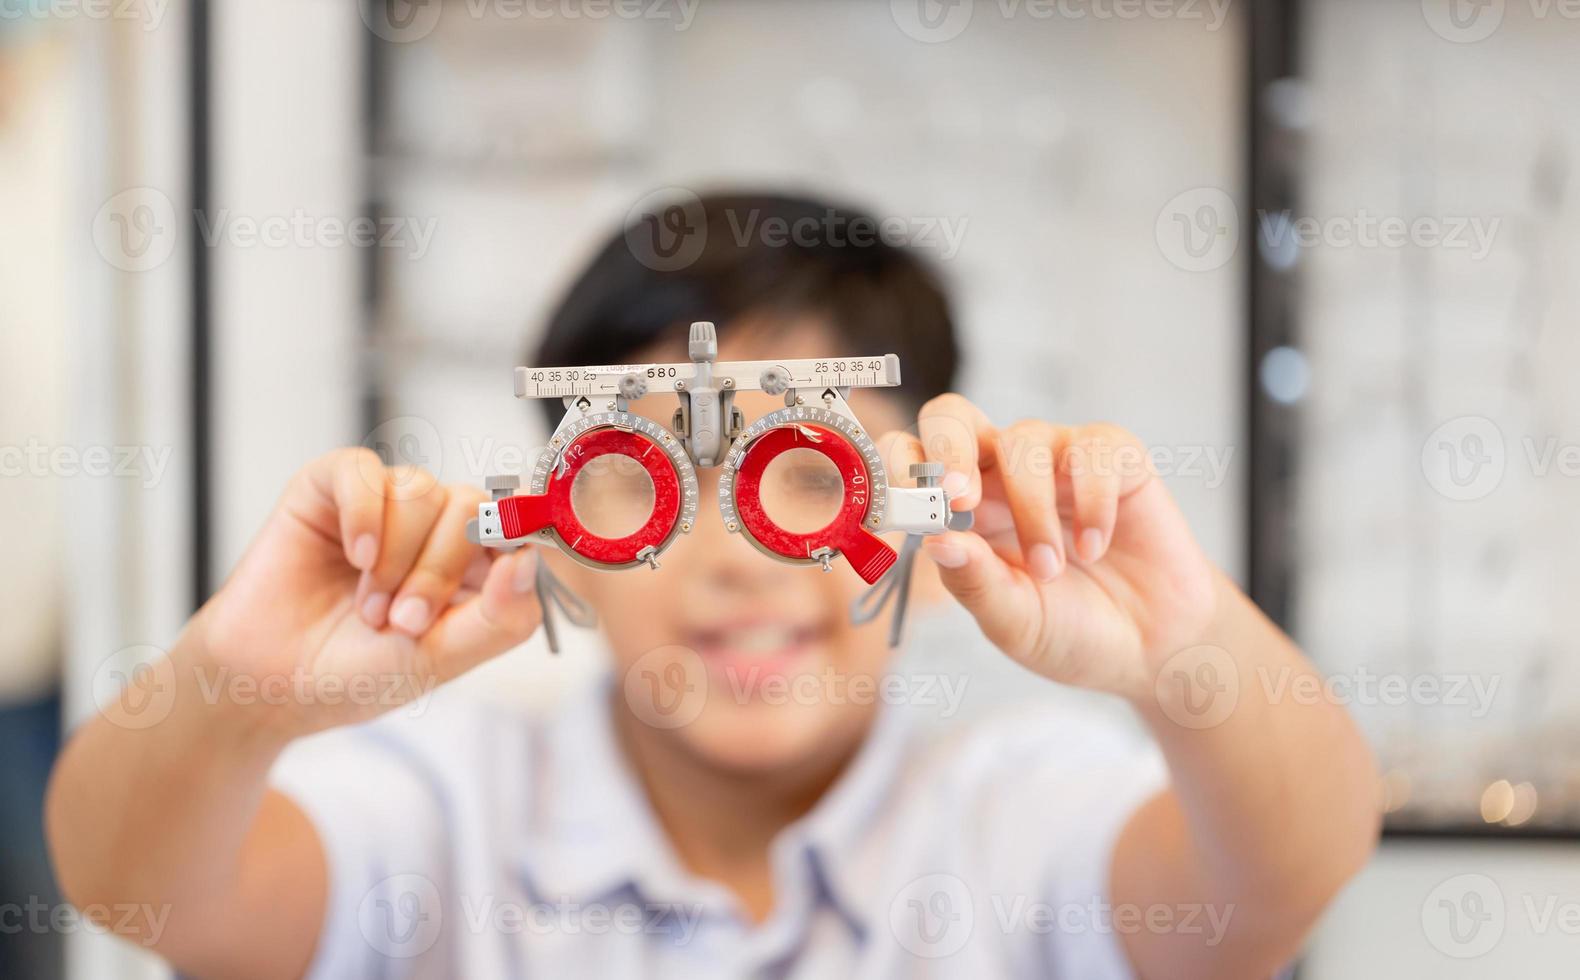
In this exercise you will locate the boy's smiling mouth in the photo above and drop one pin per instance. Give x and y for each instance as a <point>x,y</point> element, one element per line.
<point>746,651</point>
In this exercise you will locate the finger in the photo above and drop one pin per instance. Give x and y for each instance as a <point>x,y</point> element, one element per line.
<point>1026,454</point>
<point>440,565</point>
<point>477,570</point>
<point>340,494</point>
<point>413,501</point>
<point>1003,601</point>
<point>994,524</point>
<point>953,431</point>
<point>1096,461</point>
<point>500,617</point>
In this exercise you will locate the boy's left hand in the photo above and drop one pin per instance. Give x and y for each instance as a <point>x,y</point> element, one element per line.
<point>1080,565</point>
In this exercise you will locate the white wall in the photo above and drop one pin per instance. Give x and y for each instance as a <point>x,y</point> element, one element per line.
<point>124,548</point>
<point>287,146</point>
<point>1447,911</point>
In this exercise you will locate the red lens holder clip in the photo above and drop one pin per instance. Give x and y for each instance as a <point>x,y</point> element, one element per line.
<point>846,534</point>
<point>526,514</point>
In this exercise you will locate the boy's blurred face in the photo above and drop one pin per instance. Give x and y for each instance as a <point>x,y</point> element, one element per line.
<point>748,663</point>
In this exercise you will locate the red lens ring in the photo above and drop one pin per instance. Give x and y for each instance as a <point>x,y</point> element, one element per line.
<point>846,533</point>
<point>523,514</point>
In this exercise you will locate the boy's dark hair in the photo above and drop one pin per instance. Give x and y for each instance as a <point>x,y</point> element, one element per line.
<point>758,254</point>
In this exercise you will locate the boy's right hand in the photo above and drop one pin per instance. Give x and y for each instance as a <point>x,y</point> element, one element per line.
<point>360,593</point>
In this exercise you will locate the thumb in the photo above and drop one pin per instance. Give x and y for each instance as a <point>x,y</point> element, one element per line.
<point>1003,601</point>
<point>500,617</point>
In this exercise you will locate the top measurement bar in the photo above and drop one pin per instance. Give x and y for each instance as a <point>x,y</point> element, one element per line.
<point>604,380</point>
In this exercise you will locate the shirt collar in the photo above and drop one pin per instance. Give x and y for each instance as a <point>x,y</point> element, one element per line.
<point>591,830</point>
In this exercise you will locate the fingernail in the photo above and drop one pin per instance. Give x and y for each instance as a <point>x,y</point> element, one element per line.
<point>1091,544</point>
<point>946,554</point>
<point>525,578</point>
<point>374,607</point>
<point>410,615</point>
<point>956,483</point>
<point>364,552</point>
<point>1044,562</point>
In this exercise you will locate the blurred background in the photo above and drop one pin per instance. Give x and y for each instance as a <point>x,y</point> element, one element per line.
<point>1312,251</point>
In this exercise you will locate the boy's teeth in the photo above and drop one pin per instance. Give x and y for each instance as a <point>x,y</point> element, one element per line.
<point>758,639</point>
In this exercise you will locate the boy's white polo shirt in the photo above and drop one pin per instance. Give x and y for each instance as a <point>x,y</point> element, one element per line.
<point>469,842</point>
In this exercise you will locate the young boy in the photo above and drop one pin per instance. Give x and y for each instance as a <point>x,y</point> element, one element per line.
<point>678,821</point>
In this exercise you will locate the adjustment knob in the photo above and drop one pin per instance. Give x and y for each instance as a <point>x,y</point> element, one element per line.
<point>774,381</point>
<point>703,344</point>
<point>504,485</point>
<point>927,474</point>
<point>633,386</point>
